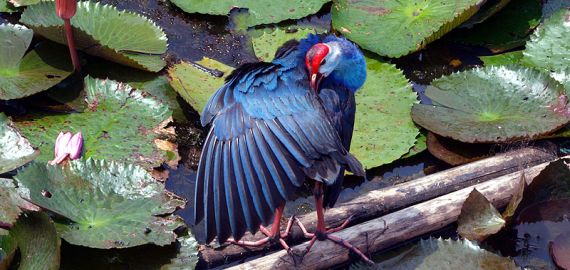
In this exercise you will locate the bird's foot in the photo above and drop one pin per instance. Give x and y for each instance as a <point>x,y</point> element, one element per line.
<point>324,235</point>
<point>269,237</point>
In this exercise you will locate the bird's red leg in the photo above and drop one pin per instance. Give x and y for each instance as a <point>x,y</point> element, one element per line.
<point>322,233</point>
<point>272,235</point>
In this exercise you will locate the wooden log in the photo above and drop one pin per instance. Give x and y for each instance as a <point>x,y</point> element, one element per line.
<point>383,232</point>
<point>382,201</point>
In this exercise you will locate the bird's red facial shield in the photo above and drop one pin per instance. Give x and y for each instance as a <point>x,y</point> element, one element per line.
<point>313,61</point>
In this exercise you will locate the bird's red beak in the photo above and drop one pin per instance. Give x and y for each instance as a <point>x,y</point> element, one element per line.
<point>313,61</point>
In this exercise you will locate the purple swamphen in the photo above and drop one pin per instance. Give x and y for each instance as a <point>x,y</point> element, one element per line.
<point>273,127</point>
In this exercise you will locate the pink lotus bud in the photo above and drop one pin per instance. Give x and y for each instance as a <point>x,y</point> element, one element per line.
<point>65,9</point>
<point>75,146</point>
<point>67,146</point>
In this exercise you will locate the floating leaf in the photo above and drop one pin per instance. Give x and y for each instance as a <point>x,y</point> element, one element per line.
<point>447,255</point>
<point>16,150</point>
<point>479,218</point>
<point>419,146</point>
<point>559,250</point>
<point>394,28</point>
<point>156,85</point>
<point>259,11</point>
<point>9,203</point>
<point>121,124</point>
<point>38,241</point>
<point>508,29</point>
<point>488,9</point>
<point>553,210</point>
<point>454,152</point>
<point>516,198</point>
<point>551,6</point>
<point>195,84</point>
<point>269,41</point>
<point>107,204</point>
<point>20,3</point>
<point>8,248</point>
<point>123,37</point>
<point>549,46</point>
<point>383,129</point>
<point>187,255</point>
<point>503,59</point>
<point>552,183</point>
<point>493,104</point>
<point>24,74</point>
<point>6,6</point>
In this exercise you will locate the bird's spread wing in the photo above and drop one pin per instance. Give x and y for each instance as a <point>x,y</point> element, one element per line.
<point>268,132</point>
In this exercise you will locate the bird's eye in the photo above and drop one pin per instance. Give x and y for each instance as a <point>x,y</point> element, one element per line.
<point>323,62</point>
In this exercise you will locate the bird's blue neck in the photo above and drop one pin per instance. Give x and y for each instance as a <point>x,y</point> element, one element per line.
<point>350,73</point>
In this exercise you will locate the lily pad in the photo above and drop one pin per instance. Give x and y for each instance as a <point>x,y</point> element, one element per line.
<point>394,28</point>
<point>559,250</point>
<point>260,11</point>
<point>419,146</point>
<point>479,218</point>
<point>494,104</point>
<point>24,74</point>
<point>447,255</point>
<point>187,255</point>
<point>38,241</point>
<point>269,40</point>
<point>6,6</point>
<point>149,82</point>
<point>515,199</point>
<point>8,248</point>
<point>9,203</point>
<point>16,150</point>
<point>106,204</point>
<point>20,3</point>
<point>383,129</point>
<point>101,30</point>
<point>121,124</point>
<point>552,183</point>
<point>549,46</point>
<point>508,29</point>
<point>195,83</point>
<point>488,9</point>
<point>454,152</point>
<point>503,59</point>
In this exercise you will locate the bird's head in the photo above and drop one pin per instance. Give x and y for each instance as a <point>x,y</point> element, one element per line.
<point>338,59</point>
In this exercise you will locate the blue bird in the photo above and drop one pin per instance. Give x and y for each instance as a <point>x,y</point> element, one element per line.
<point>274,126</point>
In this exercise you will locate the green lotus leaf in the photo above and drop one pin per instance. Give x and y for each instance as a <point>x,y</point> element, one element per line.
<point>120,124</point>
<point>20,3</point>
<point>488,9</point>
<point>383,128</point>
<point>24,74</point>
<point>269,40</point>
<point>508,29</point>
<point>10,202</point>
<point>187,257</point>
<point>551,6</point>
<point>549,47</point>
<point>8,248</point>
<point>16,150</point>
<point>123,37</point>
<point>504,59</point>
<point>479,218</point>
<point>194,84</point>
<point>259,11</point>
<point>394,28</point>
<point>38,241</point>
<point>494,104</point>
<point>447,255</point>
<point>6,6</point>
<point>106,204</point>
<point>419,146</point>
<point>149,82</point>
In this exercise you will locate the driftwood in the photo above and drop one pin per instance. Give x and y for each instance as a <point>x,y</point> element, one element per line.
<point>386,200</point>
<point>383,232</point>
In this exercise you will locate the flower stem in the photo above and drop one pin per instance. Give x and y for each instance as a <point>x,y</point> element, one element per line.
<point>71,45</point>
